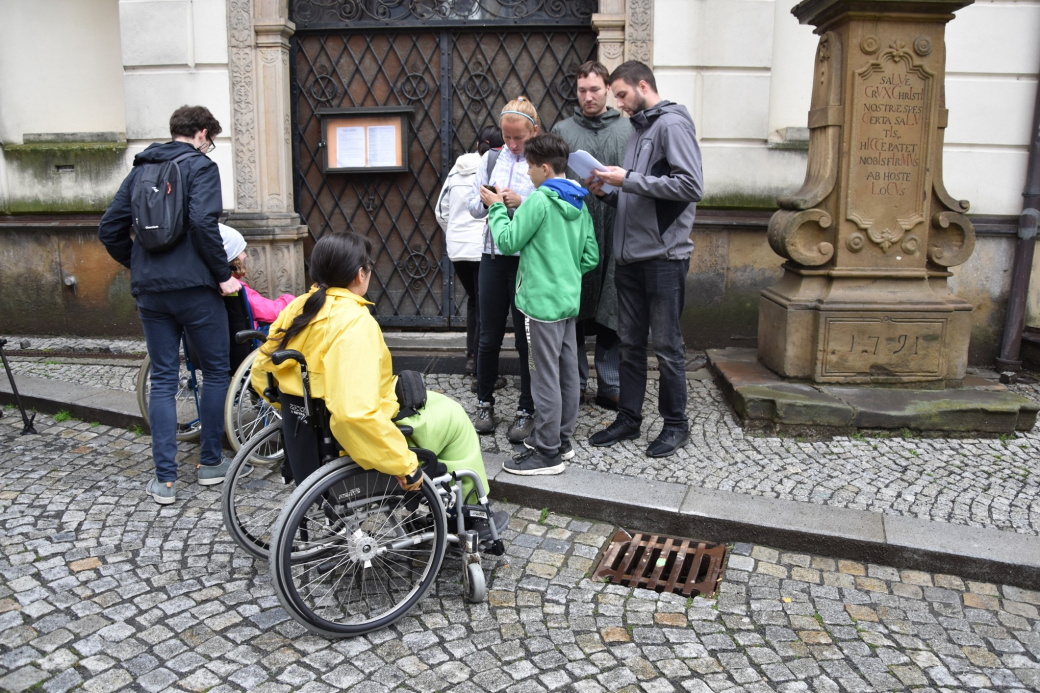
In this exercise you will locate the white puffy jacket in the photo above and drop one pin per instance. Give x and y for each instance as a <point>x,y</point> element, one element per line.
<point>464,235</point>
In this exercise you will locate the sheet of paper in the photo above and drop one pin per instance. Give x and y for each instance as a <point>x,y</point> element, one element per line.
<point>350,147</point>
<point>382,145</point>
<point>583,163</point>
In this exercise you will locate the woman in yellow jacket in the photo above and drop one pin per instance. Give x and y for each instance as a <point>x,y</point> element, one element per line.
<point>350,369</point>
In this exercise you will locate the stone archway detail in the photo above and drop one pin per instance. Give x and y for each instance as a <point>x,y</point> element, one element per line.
<point>626,31</point>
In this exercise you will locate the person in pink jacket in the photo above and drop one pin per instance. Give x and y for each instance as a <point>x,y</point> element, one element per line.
<point>264,310</point>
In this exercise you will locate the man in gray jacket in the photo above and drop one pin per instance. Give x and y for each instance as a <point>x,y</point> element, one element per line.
<point>602,132</point>
<point>657,193</point>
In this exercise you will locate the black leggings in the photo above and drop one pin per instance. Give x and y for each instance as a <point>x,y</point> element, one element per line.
<point>467,272</point>
<point>497,287</point>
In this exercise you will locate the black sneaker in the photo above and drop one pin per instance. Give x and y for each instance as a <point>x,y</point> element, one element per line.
<point>523,426</point>
<point>484,421</point>
<point>566,449</point>
<point>619,430</point>
<point>670,440</point>
<point>534,463</point>
<point>476,518</point>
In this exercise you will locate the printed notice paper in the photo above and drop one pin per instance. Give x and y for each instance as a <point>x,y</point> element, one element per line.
<point>382,145</point>
<point>583,163</point>
<point>350,147</point>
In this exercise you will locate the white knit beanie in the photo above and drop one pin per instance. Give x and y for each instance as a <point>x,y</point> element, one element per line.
<point>234,243</point>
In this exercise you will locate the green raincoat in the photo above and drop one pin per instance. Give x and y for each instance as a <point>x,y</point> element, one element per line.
<point>603,137</point>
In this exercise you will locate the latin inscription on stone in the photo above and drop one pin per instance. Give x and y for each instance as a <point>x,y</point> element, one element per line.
<point>883,346</point>
<point>886,162</point>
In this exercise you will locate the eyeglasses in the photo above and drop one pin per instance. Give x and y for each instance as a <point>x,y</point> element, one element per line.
<point>207,146</point>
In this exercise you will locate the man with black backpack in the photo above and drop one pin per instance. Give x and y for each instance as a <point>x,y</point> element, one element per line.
<point>170,202</point>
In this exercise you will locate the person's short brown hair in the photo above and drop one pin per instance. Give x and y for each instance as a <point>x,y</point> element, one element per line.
<point>550,149</point>
<point>593,67</point>
<point>187,120</point>
<point>632,73</point>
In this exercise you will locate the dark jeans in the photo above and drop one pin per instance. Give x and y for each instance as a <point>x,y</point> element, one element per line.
<point>651,295</point>
<point>198,312</point>
<point>497,287</point>
<point>467,273</point>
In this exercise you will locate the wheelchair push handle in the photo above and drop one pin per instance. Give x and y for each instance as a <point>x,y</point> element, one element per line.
<point>280,357</point>
<point>247,335</point>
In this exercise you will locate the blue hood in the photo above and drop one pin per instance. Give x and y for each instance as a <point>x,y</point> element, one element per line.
<point>567,190</point>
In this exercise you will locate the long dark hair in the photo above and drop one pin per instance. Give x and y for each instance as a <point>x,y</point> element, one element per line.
<point>335,261</point>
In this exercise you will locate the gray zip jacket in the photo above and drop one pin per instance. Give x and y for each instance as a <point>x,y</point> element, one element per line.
<point>658,198</point>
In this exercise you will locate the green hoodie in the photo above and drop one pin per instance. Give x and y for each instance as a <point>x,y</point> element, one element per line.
<point>557,245</point>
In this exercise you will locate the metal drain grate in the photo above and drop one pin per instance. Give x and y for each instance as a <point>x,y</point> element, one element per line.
<point>661,563</point>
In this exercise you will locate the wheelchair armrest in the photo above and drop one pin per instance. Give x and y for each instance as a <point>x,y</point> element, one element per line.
<point>406,430</point>
<point>429,462</point>
<point>279,357</point>
<point>246,335</point>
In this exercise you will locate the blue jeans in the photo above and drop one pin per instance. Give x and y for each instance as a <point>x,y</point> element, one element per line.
<point>497,281</point>
<point>651,296</point>
<point>198,312</point>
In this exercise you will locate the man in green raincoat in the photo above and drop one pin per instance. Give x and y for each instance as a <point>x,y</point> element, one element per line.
<point>602,132</point>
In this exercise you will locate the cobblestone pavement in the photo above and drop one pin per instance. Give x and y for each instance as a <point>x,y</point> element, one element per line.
<point>982,482</point>
<point>111,375</point>
<point>102,590</point>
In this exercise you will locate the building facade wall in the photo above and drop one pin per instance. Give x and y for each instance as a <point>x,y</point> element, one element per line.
<point>744,68</point>
<point>102,83</point>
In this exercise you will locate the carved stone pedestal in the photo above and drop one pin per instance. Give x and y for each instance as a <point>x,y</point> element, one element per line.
<point>274,252</point>
<point>872,233</point>
<point>862,331</point>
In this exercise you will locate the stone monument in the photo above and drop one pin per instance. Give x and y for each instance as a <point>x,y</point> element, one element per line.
<point>872,234</point>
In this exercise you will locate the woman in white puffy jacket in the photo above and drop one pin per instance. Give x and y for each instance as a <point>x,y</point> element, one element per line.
<point>464,235</point>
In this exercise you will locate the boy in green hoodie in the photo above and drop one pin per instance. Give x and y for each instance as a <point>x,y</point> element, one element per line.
<point>552,230</point>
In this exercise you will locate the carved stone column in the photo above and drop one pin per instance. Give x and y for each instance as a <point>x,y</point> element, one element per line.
<point>639,31</point>
<point>259,32</point>
<point>872,233</point>
<point>609,24</point>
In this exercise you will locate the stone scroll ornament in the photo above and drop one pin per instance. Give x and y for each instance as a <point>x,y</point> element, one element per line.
<point>800,231</point>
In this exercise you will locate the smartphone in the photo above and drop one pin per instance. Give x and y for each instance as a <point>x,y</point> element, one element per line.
<point>492,188</point>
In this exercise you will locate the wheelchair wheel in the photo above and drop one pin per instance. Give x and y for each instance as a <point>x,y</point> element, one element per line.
<point>352,553</point>
<point>254,492</point>
<point>246,413</point>
<point>474,584</point>
<point>189,390</point>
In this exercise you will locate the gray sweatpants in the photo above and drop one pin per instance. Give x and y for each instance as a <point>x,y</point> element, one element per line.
<point>553,361</point>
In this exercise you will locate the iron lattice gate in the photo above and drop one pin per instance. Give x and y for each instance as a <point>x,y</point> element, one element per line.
<point>455,78</point>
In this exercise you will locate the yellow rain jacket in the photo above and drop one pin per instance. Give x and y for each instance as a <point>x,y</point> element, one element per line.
<point>350,369</point>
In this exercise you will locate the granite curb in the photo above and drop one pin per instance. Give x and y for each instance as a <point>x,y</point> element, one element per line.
<point>657,506</point>
<point>109,407</point>
<point>723,516</point>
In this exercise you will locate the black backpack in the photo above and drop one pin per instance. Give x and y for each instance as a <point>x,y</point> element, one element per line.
<point>157,204</point>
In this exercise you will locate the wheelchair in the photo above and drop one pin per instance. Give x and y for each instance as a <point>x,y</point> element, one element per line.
<point>350,552</point>
<point>245,412</point>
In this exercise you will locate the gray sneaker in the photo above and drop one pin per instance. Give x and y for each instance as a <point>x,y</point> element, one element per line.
<point>523,426</point>
<point>211,474</point>
<point>163,492</point>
